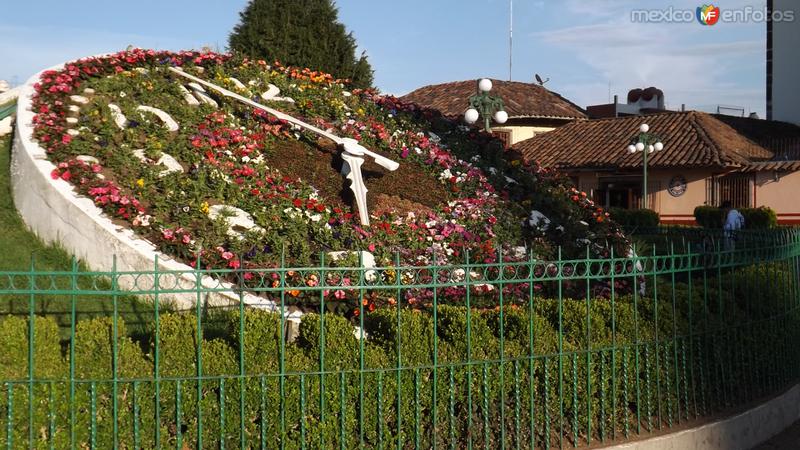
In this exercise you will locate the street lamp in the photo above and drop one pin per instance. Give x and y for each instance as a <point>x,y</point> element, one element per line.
<point>646,143</point>
<point>484,105</point>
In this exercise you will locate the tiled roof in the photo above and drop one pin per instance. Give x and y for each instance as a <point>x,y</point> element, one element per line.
<point>779,166</point>
<point>522,100</point>
<point>691,139</point>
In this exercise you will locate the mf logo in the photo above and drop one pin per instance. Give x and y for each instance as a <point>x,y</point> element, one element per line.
<point>707,14</point>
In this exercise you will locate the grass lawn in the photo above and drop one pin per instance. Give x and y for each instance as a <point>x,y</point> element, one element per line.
<point>20,248</point>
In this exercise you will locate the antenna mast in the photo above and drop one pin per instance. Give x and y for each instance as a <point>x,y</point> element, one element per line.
<point>510,37</point>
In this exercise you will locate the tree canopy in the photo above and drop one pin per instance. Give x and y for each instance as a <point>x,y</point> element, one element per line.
<point>305,33</point>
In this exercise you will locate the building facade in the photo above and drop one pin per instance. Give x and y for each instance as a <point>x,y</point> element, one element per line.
<point>705,161</point>
<point>783,63</point>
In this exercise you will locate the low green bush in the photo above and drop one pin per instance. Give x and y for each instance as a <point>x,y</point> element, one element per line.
<point>759,218</point>
<point>635,219</point>
<point>427,374</point>
<point>754,218</point>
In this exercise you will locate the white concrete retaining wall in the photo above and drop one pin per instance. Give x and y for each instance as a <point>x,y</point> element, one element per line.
<point>53,210</point>
<point>740,432</point>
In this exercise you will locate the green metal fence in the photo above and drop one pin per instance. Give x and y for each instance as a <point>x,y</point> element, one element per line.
<point>7,110</point>
<point>544,354</point>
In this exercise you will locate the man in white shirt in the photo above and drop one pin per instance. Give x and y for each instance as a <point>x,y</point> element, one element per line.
<point>734,220</point>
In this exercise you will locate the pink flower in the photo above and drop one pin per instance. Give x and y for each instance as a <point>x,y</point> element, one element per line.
<point>186,239</point>
<point>339,294</point>
<point>227,255</point>
<point>371,247</point>
<point>66,139</point>
<point>168,234</point>
<point>234,264</point>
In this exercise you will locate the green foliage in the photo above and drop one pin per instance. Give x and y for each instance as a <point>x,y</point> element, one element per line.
<point>303,33</point>
<point>635,219</point>
<point>708,216</point>
<point>759,218</point>
<point>754,218</point>
<point>600,361</point>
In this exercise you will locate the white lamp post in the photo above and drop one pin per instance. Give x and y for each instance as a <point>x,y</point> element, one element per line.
<point>485,105</point>
<point>646,143</point>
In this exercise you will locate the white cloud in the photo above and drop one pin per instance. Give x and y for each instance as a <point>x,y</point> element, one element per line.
<point>676,58</point>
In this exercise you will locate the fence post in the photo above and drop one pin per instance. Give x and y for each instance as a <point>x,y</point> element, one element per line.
<point>31,338</point>
<point>73,300</point>
<point>115,350</point>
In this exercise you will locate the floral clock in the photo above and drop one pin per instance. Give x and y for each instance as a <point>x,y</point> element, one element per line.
<point>216,182</point>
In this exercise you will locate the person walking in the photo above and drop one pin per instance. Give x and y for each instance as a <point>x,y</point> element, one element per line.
<point>733,221</point>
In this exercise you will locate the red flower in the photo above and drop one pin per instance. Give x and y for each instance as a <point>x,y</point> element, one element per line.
<point>297,203</point>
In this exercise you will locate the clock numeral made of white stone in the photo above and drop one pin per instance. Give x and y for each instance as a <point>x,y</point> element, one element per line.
<point>122,121</point>
<point>272,94</point>
<point>352,153</point>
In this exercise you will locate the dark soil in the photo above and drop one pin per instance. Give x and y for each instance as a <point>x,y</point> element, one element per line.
<point>409,188</point>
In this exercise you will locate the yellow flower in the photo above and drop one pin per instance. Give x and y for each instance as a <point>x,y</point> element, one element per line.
<point>140,182</point>
<point>204,207</point>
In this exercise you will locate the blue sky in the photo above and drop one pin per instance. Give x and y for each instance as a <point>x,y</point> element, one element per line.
<point>585,47</point>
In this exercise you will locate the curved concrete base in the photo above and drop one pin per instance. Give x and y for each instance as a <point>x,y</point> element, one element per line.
<point>740,432</point>
<point>57,214</point>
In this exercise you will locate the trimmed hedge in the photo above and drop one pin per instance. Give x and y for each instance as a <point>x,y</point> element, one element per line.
<point>611,359</point>
<point>635,219</point>
<point>754,218</point>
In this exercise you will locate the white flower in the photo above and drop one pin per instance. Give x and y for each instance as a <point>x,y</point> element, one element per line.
<point>142,220</point>
<point>316,217</point>
<point>122,94</point>
<point>245,158</point>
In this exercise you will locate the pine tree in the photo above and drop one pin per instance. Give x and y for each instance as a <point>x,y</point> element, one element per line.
<point>304,33</point>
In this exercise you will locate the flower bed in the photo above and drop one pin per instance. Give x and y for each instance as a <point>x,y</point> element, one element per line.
<point>457,195</point>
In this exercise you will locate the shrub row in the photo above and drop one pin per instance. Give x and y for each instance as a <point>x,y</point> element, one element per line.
<point>635,219</point>
<point>498,372</point>
<point>754,218</point>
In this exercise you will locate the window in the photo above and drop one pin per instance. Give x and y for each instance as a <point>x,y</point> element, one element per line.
<point>504,136</point>
<point>737,188</point>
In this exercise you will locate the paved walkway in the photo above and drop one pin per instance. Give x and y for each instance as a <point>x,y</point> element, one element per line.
<point>789,439</point>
